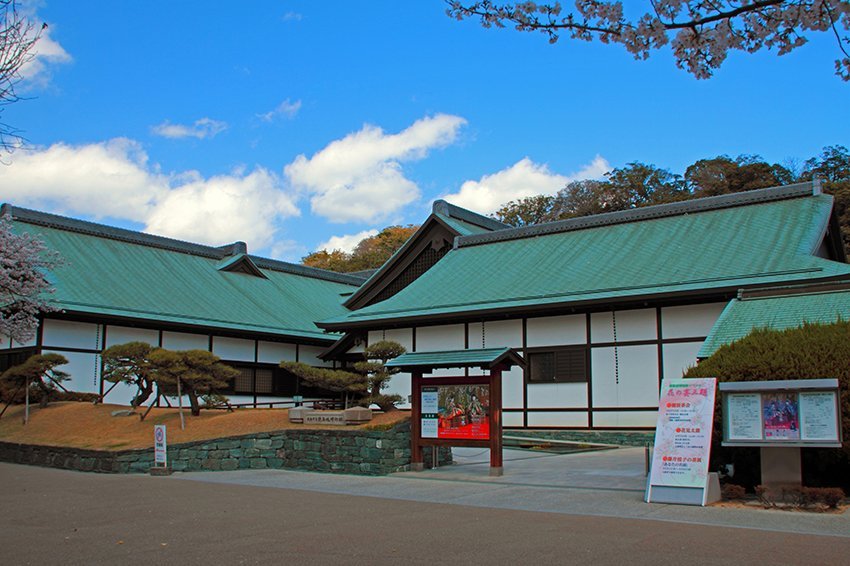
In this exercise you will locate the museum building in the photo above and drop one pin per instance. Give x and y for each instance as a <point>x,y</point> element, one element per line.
<point>601,308</point>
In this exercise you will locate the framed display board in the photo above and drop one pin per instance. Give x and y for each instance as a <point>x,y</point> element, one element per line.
<point>800,412</point>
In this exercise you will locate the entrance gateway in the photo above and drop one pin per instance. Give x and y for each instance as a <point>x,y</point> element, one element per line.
<point>457,410</point>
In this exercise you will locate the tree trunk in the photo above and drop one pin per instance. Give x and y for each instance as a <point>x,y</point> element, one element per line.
<point>145,391</point>
<point>193,402</point>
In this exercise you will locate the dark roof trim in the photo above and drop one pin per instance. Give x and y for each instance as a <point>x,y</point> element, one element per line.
<point>139,238</point>
<point>448,209</point>
<point>340,347</point>
<point>241,263</point>
<point>757,196</point>
<point>550,309</point>
<point>793,290</point>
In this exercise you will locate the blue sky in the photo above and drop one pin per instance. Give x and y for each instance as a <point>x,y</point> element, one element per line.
<point>286,124</point>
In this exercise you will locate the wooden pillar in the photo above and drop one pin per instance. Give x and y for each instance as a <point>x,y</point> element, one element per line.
<point>416,461</point>
<point>496,421</point>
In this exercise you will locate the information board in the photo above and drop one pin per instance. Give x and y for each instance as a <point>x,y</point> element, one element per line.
<point>777,413</point>
<point>683,433</point>
<point>455,411</point>
<point>160,447</point>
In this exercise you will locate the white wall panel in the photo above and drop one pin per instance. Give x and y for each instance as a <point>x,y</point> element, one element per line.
<point>631,325</point>
<point>309,355</point>
<point>26,344</point>
<point>476,337</point>
<point>503,334</point>
<point>275,352</point>
<point>68,334</point>
<point>557,419</point>
<point>689,320</point>
<point>83,369</point>
<point>679,357</point>
<point>511,419</point>
<point>557,395</point>
<point>512,386</point>
<point>400,385</point>
<point>234,349</point>
<point>184,341</point>
<point>638,376</point>
<point>437,338</point>
<point>556,330</point>
<point>375,336</point>
<point>403,336</point>
<point>123,334</point>
<point>625,419</point>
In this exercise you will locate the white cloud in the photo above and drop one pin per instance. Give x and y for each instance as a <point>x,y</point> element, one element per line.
<point>522,179</point>
<point>292,17</point>
<point>202,128</point>
<point>114,179</point>
<point>360,178</point>
<point>346,243</point>
<point>285,109</point>
<point>45,53</point>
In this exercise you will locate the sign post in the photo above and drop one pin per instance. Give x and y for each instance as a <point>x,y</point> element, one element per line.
<point>160,447</point>
<point>679,472</point>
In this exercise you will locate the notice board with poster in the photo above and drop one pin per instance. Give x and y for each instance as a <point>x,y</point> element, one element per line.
<point>794,413</point>
<point>679,472</point>
<point>456,411</point>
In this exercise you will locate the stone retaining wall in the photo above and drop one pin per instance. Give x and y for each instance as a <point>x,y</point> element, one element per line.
<point>348,451</point>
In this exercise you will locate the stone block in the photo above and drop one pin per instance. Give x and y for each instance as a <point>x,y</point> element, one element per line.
<point>296,414</point>
<point>258,463</point>
<point>357,415</point>
<point>229,464</point>
<point>263,443</point>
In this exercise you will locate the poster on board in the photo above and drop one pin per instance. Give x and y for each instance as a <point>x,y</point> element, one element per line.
<point>683,433</point>
<point>781,416</point>
<point>819,415</point>
<point>744,416</point>
<point>455,411</point>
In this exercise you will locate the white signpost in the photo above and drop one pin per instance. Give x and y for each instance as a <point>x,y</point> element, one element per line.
<point>160,447</point>
<point>679,472</point>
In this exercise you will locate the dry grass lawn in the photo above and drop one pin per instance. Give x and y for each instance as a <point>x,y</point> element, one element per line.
<point>83,425</point>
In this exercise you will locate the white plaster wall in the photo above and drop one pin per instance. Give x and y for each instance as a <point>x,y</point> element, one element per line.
<point>84,371</point>
<point>502,334</point>
<point>403,336</point>
<point>512,388</point>
<point>123,334</point>
<point>557,395</point>
<point>557,419</point>
<point>400,384</point>
<point>631,325</point>
<point>511,419</point>
<point>638,383</point>
<point>25,344</point>
<point>476,340</point>
<point>68,334</point>
<point>233,349</point>
<point>275,352</point>
<point>689,321</point>
<point>556,330</point>
<point>184,341</point>
<point>679,357</point>
<point>122,394</point>
<point>440,338</point>
<point>375,336</point>
<point>309,355</point>
<point>623,419</point>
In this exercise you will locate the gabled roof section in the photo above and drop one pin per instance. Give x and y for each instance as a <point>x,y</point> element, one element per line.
<point>129,275</point>
<point>240,263</point>
<point>421,251</point>
<point>778,308</point>
<point>484,358</point>
<point>707,248</point>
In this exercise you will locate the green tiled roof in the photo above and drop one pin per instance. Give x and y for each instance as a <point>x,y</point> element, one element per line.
<point>741,316</point>
<point>719,244</point>
<point>112,272</point>
<point>483,357</point>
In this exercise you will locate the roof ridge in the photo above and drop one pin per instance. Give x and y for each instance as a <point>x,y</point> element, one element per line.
<point>781,291</point>
<point>756,196</point>
<point>453,211</point>
<point>59,222</point>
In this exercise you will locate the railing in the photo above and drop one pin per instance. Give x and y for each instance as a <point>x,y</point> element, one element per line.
<point>314,403</point>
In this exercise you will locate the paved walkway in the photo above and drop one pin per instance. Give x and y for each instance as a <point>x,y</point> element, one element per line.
<point>605,484</point>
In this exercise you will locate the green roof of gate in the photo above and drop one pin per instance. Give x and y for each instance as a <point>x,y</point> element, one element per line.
<point>717,244</point>
<point>777,312</point>
<point>484,358</point>
<point>112,272</point>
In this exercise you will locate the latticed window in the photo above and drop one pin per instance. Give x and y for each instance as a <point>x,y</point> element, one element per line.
<point>244,381</point>
<point>562,365</point>
<point>265,380</point>
<point>423,262</point>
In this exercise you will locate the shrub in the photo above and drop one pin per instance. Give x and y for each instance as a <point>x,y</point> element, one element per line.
<point>733,491</point>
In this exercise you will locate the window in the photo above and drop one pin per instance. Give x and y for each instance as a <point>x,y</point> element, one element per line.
<point>563,365</point>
